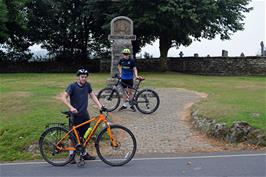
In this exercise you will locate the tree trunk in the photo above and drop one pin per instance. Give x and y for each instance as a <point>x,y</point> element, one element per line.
<point>84,53</point>
<point>85,39</point>
<point>165,45</point>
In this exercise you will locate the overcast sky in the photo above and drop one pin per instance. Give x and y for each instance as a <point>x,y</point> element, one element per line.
<point>246,41</point>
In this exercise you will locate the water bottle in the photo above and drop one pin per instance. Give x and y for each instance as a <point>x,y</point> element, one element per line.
<point>87,132</point>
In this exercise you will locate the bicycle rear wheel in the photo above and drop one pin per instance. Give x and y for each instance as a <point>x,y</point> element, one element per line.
<point>147,101</point>
<point>110,98</point>
<point>48,144</point>
<point>123,152</point>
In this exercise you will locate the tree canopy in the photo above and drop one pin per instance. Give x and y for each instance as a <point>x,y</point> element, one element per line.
<point>66,27</point>
<point>179,22</point>
<point>3,20</point>
<point>13,29</point>
<point>80,27</point>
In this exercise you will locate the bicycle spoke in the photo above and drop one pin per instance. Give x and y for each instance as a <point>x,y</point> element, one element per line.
<point>109,98</point>
<point>48,146</point>
<point>120,154</point>
<point>147,101</point>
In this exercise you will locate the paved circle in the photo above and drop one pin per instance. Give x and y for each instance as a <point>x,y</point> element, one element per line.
<point>164,131</point>
<point>169,129</point>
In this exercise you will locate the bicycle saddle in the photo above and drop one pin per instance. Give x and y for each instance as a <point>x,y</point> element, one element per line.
<point>67,113</point>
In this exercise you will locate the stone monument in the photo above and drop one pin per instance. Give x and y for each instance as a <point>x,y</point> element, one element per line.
<point>120,37</point>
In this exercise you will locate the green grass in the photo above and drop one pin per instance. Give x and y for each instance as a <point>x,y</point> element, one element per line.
<point>28,102</point>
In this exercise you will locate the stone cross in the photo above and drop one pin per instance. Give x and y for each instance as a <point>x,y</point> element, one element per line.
<point>181,54</point>
<point>120,37</point>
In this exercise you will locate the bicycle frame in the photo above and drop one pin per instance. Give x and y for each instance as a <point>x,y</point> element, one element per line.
<point>101,118</point>
<point>119,81</point>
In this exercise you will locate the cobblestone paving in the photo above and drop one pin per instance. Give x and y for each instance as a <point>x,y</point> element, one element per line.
<point>165,131</point>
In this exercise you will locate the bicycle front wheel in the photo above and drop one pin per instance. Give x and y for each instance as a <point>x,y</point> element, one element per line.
<point>124,150</point>
<point>52,151</point>
<point>110,98</point>
<point>147,101</point>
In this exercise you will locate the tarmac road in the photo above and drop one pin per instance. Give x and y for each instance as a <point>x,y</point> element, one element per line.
<point>215,164</point>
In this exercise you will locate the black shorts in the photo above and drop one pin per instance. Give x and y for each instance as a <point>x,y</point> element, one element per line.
<point>78,119</point>
<point>127,83</point>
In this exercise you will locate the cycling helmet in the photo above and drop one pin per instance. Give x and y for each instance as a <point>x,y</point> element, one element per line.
<point>82,71</point>
<point>126,51</point>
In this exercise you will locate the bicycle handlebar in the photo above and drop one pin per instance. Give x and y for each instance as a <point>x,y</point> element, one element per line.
<point>140,78</point>
<point>116,76</point>
<point>106,112</point>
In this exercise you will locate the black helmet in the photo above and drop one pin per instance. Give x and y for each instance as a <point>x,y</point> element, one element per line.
<point>82,71</point>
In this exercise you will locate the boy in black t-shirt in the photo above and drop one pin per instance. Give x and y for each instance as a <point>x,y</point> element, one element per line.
<point>78,93</point>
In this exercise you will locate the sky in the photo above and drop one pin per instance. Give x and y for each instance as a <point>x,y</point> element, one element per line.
<point>246,41</point>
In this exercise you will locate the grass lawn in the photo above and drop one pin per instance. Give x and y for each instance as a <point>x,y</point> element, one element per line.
<point>29,101</point>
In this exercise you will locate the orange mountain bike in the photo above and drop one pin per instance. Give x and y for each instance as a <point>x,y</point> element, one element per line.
<point>115,145</point>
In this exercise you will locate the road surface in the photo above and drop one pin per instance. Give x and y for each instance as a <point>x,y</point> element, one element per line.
<point>218,164</point>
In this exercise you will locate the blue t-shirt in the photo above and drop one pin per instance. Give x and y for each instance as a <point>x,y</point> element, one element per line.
<point>127,68</point>
<point>79,96</point>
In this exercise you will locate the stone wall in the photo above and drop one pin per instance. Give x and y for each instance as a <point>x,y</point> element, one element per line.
<point>219,65</point>
<point>199,65</point>
<point>204,65</point>
<point>48,66</point>
<point>235,133</point>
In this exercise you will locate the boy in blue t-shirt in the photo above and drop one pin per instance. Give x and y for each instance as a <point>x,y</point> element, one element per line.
<point>127,69</point>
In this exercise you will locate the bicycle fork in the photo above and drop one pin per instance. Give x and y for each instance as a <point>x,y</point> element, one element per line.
<point>112,139</point>
<point>110,133</point>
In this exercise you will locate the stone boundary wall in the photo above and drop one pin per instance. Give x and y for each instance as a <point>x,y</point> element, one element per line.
<point>203,65</point>
<point>48,66</point>
<point>199,65</point>
<point>235,133</point>
<point>219,65</point>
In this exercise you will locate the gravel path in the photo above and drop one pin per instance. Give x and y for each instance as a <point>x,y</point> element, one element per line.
<point>167,130</point>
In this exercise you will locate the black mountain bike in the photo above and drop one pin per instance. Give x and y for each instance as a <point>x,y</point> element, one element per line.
<point>146,101</point>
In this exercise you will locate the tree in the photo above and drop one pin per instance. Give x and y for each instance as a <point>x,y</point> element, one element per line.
<point>178,22</point>
<point>67,27</point>
<point>13,29</point>
<point>3,20</point>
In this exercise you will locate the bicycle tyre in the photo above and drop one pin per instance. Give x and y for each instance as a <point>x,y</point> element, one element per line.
<point>110,98</point>
<point>143,102</point>
<point>113,155</point>
<point>55,134</point>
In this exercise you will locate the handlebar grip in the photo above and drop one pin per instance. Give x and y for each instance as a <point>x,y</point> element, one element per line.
<point>116,76</point>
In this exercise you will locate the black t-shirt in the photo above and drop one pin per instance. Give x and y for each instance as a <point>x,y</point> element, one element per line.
<point>79,96</point>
